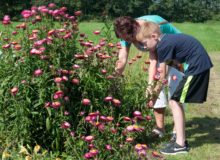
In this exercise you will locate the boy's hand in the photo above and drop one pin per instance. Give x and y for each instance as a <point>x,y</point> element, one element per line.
<point>149,91</point>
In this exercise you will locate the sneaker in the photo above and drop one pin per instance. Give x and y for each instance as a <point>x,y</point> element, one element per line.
<point>174,149</point>
<point>158,133</point>
<point>171,141</point>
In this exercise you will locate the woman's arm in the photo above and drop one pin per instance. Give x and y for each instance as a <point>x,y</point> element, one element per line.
<point>122,60</point>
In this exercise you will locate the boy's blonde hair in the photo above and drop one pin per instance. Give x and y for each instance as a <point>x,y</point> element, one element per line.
<point>146,29</point>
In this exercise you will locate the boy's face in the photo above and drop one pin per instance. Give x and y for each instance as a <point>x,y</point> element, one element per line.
<point>150,42</point>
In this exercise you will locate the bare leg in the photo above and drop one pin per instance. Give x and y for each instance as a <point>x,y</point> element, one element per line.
<point>179,121</point>
<point>159,117</point>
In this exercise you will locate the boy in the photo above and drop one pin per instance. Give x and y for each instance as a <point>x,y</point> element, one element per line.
<point>126,28</point>
<point>193,88</point>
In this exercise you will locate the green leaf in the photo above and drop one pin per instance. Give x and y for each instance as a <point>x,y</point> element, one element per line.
<point>48,126</point>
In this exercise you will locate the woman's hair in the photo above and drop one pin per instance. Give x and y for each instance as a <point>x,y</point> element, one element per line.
<point>146,29</point>
<point>126,28</point>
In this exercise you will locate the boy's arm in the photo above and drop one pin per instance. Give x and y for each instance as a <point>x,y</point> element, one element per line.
<point>151,73</point>
<point>155,90</point>
<point>163,72</point>
<point>152,67</point>
<point>122,60</point>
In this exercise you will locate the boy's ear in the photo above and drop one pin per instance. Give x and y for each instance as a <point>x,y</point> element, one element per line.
<point>154,36</point>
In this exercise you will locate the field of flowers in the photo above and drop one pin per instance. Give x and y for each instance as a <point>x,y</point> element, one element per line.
<point>59,96</point>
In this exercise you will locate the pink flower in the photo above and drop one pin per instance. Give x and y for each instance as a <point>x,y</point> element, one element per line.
<point>148,118</point>
<point>47,104</point>
<point>38,72</point>
<point>14,91</point>
<point>129,139</point>
<point>156,77</point>
<point>116,102</point>
<point>127,119</point>
<point>103,71</point>
<point>65,125</point>
<point>76,66</point>
<point>72,133</point>
<point>58,94</point>
<point>67,36</point>
<point>26,14</point>
<point>77,13</point>
<point>136,113</point>
<point>6,46</point>
<point>52,5</point>
<point>138,147</point>
<point>14,32</point>
<point>108,147</point>
<point>6,20</point>
<point>65,78</point>
<point>113,130</point>
<point>103,118</point>
<point>94,152</point>
<point>58,80</point>
<point>23,81</point>
<point>88,155</point>
<point>56,104</point>
<point>96,32</point>
<point>130,128</point>
<point>89,138</point>
<point>142,153</point>
<point>75,81</point>
<point>109,118</point>
<point>108,99</point>
<point>86,102</point>
<point>17,47</point>
<point>101,127</point>
<point>165,82</point>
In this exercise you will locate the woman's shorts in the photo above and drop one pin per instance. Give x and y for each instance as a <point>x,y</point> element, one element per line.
<point>192,89</point>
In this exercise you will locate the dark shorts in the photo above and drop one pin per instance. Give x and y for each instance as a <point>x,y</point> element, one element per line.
<point>192,89</point>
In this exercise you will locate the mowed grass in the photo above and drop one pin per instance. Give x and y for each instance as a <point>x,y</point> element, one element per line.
<point>202,121</point>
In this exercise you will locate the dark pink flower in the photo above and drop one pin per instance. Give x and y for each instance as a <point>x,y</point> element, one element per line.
<point>108,147</point>
<point>65,125</point>
<point>96,32</point>
<point>38,72</point>
<point>6,46</point>
<point>26,14</point>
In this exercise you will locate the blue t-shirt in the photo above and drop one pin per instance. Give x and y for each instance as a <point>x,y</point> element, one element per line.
<point>184,49</point>
<point>165,28</point>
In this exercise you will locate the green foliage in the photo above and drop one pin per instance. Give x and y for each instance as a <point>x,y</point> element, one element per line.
<point>53,85</point>
<point>194,11</point>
